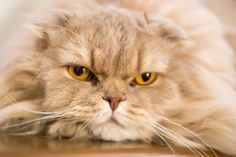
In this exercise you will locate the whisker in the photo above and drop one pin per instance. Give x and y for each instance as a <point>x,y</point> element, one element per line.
<point>161,135</point>
<point>36,112</point>
<point>151,128</point>
<point>176,138</point>
<point>191,132</point>
<point>23,108</point>
<point>30,121</point>
<point>21,128</point>
<point>169,134</point>
<point>83,126</point>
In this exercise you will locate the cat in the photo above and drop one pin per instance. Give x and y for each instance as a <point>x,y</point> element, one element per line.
<point>150,71</point>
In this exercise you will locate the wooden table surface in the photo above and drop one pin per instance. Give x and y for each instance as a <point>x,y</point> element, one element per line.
<point>17,146</point>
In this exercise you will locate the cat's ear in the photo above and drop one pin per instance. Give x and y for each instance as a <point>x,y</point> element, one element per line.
<point>48,35</point>
<point>173,32</point>
<point>165,28</point>
<point>50,30</point>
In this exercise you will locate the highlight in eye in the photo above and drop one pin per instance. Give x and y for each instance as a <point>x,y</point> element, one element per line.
<point>146,78</point>
<point>80,73</point>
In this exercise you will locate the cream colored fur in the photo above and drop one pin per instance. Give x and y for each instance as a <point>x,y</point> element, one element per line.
<point>192,103</point>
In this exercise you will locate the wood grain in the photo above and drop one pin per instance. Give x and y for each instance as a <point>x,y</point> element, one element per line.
<point>19,146</point>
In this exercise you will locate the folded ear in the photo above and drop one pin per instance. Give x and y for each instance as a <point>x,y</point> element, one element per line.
<point>173,32</point>
<point>53,30</point>
<point>165,28</point>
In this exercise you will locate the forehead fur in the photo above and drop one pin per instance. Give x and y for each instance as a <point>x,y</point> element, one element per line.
<point>114,41</point>
<point>109,41</point>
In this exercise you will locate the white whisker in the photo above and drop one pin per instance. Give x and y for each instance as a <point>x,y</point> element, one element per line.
<point>32,121</point>
<point>191,132</point>
<point>192,146</point>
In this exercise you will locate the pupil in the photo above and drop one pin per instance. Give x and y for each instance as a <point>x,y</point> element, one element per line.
<point>79,70</point>
<point>146,76</point>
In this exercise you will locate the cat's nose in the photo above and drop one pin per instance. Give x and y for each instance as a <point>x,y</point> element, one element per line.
<point>113,102</point>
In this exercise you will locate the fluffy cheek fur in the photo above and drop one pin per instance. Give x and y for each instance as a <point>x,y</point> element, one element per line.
<point>84,114</point>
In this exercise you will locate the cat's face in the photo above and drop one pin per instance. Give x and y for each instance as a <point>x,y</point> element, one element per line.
<point>116,47</point>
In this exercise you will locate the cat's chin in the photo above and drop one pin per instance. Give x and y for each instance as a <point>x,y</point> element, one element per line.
<point>114,126</point>
<point>112,130</point>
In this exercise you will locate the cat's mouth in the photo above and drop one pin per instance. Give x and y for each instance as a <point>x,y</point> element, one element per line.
<point>114,118</point>
<point>115,121</point>
<point>116,128</point>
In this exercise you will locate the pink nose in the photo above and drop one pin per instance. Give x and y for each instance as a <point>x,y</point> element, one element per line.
<point>113,102</point>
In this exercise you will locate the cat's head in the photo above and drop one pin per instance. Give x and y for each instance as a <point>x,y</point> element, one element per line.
<point>109,71</point>
<point>109,68</point>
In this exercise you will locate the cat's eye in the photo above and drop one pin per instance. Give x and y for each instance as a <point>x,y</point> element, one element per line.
<point>146,78</point>
<point>80,73</point>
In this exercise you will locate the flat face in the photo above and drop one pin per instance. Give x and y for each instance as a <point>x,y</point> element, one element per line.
<point>127,56</point>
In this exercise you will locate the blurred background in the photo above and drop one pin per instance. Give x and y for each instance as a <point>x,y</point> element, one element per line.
<point>14,14</point>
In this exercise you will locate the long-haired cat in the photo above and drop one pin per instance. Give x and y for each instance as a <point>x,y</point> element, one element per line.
<point>126,70</point>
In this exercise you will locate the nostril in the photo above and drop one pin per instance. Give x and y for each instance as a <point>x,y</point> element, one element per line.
<point>105,98</point>
<point>108,99</point>
<point>123,99</point>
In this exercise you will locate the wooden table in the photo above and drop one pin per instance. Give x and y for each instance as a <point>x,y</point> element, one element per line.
<point>17,146</point>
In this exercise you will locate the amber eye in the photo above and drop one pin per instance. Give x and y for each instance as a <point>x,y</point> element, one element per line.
<point>80,73</point>
<point>145,78</point>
